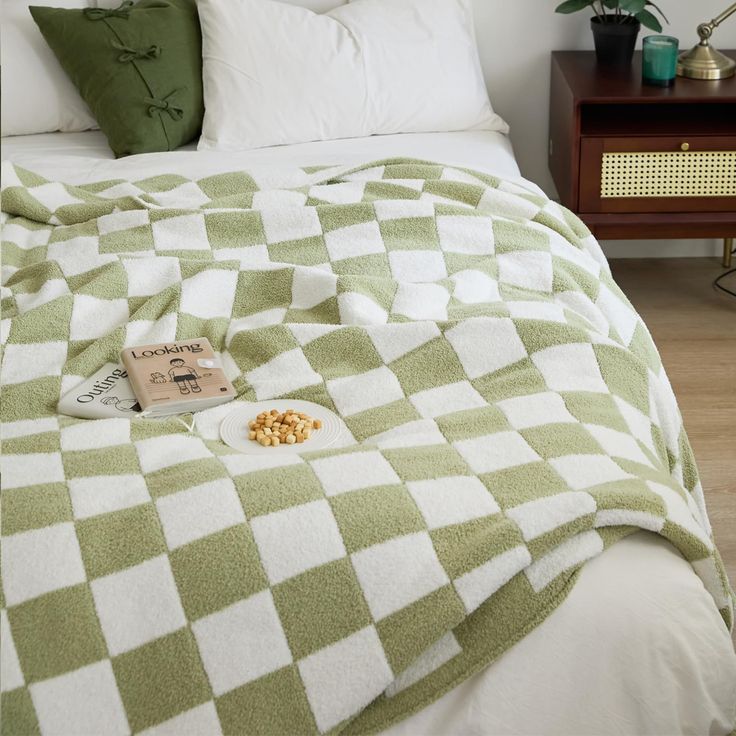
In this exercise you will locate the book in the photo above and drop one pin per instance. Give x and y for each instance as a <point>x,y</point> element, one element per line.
<point>106,393</point>
<point>176,377</point>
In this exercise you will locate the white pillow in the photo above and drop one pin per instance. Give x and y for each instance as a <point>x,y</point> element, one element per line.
<point>38,97</point>
<point>275,73</point>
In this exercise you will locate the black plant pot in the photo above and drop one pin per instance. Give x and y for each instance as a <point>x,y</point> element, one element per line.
<point>615,42</point>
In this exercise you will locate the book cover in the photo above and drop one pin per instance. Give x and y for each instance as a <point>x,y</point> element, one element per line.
<point>106,393</point>
<point>177,377</point>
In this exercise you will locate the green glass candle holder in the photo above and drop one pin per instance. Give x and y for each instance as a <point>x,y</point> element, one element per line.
<point>659,60</point>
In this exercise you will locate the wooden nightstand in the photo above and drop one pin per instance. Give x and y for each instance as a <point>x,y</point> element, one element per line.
<point>635,161</point>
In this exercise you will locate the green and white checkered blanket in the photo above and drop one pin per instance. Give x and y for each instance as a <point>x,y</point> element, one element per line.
<point>510,414</point>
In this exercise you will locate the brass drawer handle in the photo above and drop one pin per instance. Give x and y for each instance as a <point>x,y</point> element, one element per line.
<point>685,146</point>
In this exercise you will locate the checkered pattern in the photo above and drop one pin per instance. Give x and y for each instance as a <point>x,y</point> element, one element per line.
<point>510,414</point>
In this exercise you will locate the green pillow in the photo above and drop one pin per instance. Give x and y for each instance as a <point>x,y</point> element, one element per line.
<point>138,67</point>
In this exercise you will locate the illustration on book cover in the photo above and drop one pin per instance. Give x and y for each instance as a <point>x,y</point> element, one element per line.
<point>184,376</point>
<point>122,404</point>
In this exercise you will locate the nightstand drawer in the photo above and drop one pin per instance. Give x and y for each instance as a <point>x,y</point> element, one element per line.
<point>653,174</point>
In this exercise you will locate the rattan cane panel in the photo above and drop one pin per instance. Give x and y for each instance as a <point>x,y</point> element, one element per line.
<point>669,174</point>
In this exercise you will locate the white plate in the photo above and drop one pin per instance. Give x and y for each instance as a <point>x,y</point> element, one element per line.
<point>234,427</point>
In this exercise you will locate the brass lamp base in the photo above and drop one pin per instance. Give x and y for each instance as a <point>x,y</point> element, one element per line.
<point>705,62</point>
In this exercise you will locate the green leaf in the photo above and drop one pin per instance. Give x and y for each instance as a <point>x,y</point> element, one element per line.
<point>659,10</point>
<point>633,6</point>
<point>572,6</point>
<point>649,20</point>
<point>611,4</point>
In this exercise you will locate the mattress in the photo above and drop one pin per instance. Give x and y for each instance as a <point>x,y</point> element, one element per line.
<point>638,647</point>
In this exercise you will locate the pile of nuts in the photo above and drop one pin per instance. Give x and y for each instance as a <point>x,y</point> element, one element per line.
<point>275,428</point>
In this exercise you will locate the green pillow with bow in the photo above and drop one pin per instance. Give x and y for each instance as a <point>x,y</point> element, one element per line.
<point>138,67</point>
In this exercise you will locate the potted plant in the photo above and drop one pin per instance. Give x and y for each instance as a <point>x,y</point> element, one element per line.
<point>616,25</point>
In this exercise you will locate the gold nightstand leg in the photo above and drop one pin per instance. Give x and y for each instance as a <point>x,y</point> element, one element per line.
<point>727,251</point>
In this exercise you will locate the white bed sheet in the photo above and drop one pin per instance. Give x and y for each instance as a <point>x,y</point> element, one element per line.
<point>638,646</point>
<point>77,158</point>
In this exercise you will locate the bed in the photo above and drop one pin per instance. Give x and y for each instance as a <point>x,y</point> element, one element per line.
<point>633,641</point>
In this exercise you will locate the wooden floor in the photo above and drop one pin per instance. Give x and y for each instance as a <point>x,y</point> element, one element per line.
<point>694,328</point>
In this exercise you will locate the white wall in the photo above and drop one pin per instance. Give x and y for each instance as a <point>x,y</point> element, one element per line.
<point>515,39</point>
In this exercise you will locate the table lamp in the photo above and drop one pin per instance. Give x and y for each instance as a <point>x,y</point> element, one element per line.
<point>703,61</point>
